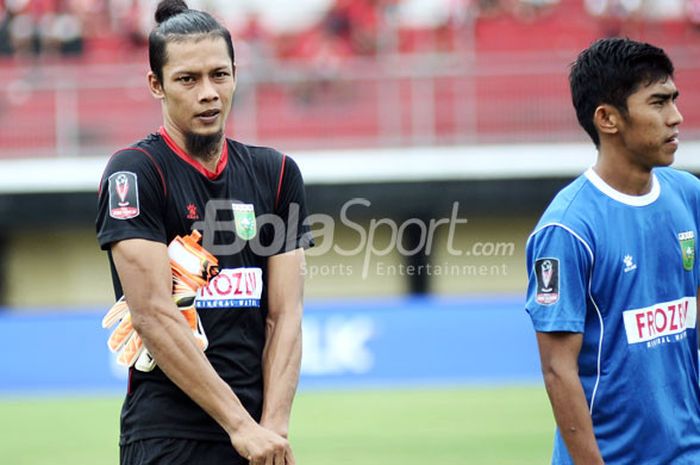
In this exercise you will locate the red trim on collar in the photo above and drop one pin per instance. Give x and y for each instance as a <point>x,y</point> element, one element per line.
<point>220,166</point>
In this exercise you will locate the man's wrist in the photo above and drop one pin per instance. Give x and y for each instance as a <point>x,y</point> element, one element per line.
<point>280,427</point>
<point>235,423</point>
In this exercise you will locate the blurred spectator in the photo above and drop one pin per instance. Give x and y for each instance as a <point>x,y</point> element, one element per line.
<point>357,23</point>
<point>61,31</point>
<point>613,14</point>
<point>94,16</point>
<point>663,10</point>
<point>531,9</point>
<point>325,51</point>
<point>35,27</point>
<point>23,28</point>
<point>346,28</point>
<point>253,32</point>
<point>326,46</point>
<point>628,17</point>
<point>255,42</point>
<point>5,38</point>
<point>693,11</point>
<point>488,8</point>
<point>458,28</point>
<point>133,25</point>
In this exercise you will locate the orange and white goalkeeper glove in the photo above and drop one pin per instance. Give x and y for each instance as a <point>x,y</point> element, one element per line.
<point>192,266</point>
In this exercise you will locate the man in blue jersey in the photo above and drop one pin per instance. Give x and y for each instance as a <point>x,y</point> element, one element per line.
<point>613,278</point>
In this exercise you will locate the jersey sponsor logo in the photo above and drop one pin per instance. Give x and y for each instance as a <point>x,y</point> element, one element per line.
<point>244,220</point>
<point>661,320</point>
<point>687,241</point>
<point>232,287</point>
<point>123,195</point>
<point>192,213</point>
<point>547,271</point>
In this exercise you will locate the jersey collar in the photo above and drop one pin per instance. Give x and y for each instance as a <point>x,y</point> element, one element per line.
<point>632,200</point>
<point>220,166</point>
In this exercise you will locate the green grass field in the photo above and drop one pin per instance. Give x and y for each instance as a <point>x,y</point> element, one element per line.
<point>499,426</point>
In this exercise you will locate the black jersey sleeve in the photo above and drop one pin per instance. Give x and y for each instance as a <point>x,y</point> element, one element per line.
<point>290,205</point>
<point>131,199</point>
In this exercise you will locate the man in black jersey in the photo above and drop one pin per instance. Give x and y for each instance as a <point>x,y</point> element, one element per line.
<point>231,403</point>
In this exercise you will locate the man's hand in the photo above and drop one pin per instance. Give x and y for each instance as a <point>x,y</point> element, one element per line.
<point>261,446</point>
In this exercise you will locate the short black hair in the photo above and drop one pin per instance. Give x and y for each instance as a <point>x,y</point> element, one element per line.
<point>611,70</point>
<point>176,22</point>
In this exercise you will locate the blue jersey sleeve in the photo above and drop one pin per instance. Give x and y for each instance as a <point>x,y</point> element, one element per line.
<point>559,266</point>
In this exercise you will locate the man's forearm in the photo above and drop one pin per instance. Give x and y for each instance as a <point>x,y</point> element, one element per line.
<point>281,365</point>
<point>145,274</point>
<point>170,341</point>
<point>572,416</point>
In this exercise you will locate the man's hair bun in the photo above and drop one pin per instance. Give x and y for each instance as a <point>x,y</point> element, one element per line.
<point>169,8</point>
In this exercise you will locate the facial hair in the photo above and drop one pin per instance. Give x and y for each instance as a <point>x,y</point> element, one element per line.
<point>205,148</point>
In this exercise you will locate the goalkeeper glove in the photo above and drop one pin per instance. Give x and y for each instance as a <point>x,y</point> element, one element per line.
<point>191,266</point>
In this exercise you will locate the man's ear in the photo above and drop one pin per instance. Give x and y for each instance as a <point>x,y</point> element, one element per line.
<point>155,86</point>
<point>607,119</point>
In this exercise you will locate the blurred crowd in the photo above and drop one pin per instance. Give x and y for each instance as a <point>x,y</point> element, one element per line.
<point>32,27</point>
<point>344,28</point>
<point>647,10</point>
<point>70,27</point>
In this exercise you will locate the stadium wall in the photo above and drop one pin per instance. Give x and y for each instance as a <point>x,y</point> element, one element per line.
<point>65,268</point>
<point>486,196</point>
<point>347,344</point>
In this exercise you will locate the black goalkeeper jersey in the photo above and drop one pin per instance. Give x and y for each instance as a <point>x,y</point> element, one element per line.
<point>250,208</point>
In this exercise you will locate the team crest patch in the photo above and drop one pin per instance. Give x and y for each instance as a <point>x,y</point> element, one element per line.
<point>687,241</point>
<point>123,195</point>
<point>547,271</point>
<point>244,220</point>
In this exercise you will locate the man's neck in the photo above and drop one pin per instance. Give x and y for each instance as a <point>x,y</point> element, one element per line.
<point>209,162</point>
<point>622,175</point>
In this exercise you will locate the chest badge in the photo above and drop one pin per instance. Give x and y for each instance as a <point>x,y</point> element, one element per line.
<point>687,241</point>
<point>244,220</point>
<point>192,213</point>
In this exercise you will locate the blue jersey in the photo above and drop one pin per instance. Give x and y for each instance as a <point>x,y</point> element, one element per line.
<point>622,270</point>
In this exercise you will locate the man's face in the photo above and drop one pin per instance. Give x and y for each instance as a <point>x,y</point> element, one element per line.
<point>650,130</point>
<point>198,86</point>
